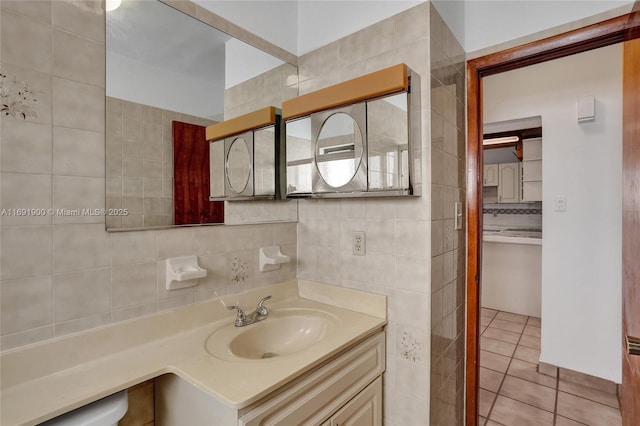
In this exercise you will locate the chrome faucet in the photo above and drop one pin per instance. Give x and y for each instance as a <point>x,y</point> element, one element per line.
<point>259,314</point>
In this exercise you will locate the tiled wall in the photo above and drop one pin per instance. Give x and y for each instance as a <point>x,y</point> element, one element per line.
<point>62,274</point>
<point>520,214</point>
<point>139,162</point>
<point>448,173</point>
<point>397,230</point>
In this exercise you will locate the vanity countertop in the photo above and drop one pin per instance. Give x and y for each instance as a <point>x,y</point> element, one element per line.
<point>44,380</point>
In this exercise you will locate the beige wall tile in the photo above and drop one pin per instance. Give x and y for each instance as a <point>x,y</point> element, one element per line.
<point>26,252</point>
<point>175,242</point>
<point>26,304</point>
<point>81,324</point>
<point>131,248</point>
<point>71,144</point>
<point>81,294</point>
<point>81,195</point>
<point>26,147</point>
<point>79,59</point>
<point>11,341</point>
<point>26,191</point>
<point>80,246</point>
<point>33,49</point>
<point>81,17</point>
<point>78,105</point>
<point>40,86</point>
<point>133,285</point>
<point>379,38</point>
<point>40,10</point>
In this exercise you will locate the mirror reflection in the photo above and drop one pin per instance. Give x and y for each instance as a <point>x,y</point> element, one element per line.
<point>338,149</point>
<point>191,74</point>
<point>238,165</point>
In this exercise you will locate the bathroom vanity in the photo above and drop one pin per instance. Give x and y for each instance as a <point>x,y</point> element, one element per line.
<point>208,371</point>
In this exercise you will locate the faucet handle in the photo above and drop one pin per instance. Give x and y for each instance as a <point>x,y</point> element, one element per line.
<point>261,309</point>
<point>264,299</point>
<point>241,317</point>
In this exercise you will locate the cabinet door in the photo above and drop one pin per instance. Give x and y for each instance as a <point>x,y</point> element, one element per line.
<point>509,188</point>
<point>365,409</point>
<point>490,175</point>
<point>532,149</point>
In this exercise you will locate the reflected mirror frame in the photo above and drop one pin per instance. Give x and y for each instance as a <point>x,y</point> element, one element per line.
<point>247,191</point>
<point>358,182</point>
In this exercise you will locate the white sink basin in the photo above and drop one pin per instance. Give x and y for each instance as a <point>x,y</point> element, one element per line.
<point>284,332</point>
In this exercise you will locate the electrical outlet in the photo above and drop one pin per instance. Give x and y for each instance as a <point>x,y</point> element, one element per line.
<point>357,243</point>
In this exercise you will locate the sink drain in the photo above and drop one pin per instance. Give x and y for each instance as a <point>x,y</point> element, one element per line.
<point>269,355</point>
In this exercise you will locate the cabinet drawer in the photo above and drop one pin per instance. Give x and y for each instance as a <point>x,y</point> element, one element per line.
<point>312,400</point>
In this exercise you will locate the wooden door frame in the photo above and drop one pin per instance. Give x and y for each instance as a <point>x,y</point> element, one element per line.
<point>602,34</point>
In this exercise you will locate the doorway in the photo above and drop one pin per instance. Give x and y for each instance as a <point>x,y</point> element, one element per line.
<point>603,34</point>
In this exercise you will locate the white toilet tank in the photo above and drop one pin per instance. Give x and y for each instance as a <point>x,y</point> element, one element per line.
<point>104,412</point>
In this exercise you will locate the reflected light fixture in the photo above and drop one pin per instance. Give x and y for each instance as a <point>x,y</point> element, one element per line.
<point>111,5</point>
<point>499,141</point>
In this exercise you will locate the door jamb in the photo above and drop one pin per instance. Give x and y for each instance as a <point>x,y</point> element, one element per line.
<point>612,31</point>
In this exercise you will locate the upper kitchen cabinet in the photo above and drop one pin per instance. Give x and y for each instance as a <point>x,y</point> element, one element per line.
<point>509,188</point>
<point>532,170</point>
<point>490,176</point>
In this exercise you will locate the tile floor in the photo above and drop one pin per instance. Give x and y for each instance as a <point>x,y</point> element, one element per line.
<point>513,393</point>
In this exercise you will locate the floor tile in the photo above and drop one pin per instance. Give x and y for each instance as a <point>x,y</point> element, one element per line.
<point>527,371</point>
<point>505,336</point>
<point>507,316</point>
<point>510,412</point>
<point>484,321</point>
<point>482,330</point>
<point>486,400</point>
<point>507,325</point>
<point>530,342</point>
<point>494,361</point>
<point>497,346</point>
<point>563,421</point>
<point>527,354</point>
<point>490,379</point>
<point>586,411</point>
<point>534,321</point>
<point>530,393</point>
<point>523,396</point>
<point>530,330</point>
<point>486,312</point>
<point>589,393</point>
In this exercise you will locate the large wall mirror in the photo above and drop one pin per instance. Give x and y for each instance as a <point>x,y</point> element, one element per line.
<point>164,66</point>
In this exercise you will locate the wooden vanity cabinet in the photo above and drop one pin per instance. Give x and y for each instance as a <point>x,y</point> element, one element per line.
<point>344,391</point>
<point>365,409</point>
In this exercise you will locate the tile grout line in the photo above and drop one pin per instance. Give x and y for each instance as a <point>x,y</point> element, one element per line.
<point>555,406</point>
<point>506,371</point>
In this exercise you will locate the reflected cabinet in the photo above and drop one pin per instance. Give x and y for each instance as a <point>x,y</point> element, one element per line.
<point>246,156</point>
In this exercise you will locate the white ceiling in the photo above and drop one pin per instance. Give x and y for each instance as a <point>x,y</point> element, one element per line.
<point>157,35</point>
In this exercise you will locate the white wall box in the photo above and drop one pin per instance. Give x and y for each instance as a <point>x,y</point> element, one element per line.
<point>246,157</point>
<point>509,179</point>
<point>359,138</point>
<point>490,175</point>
